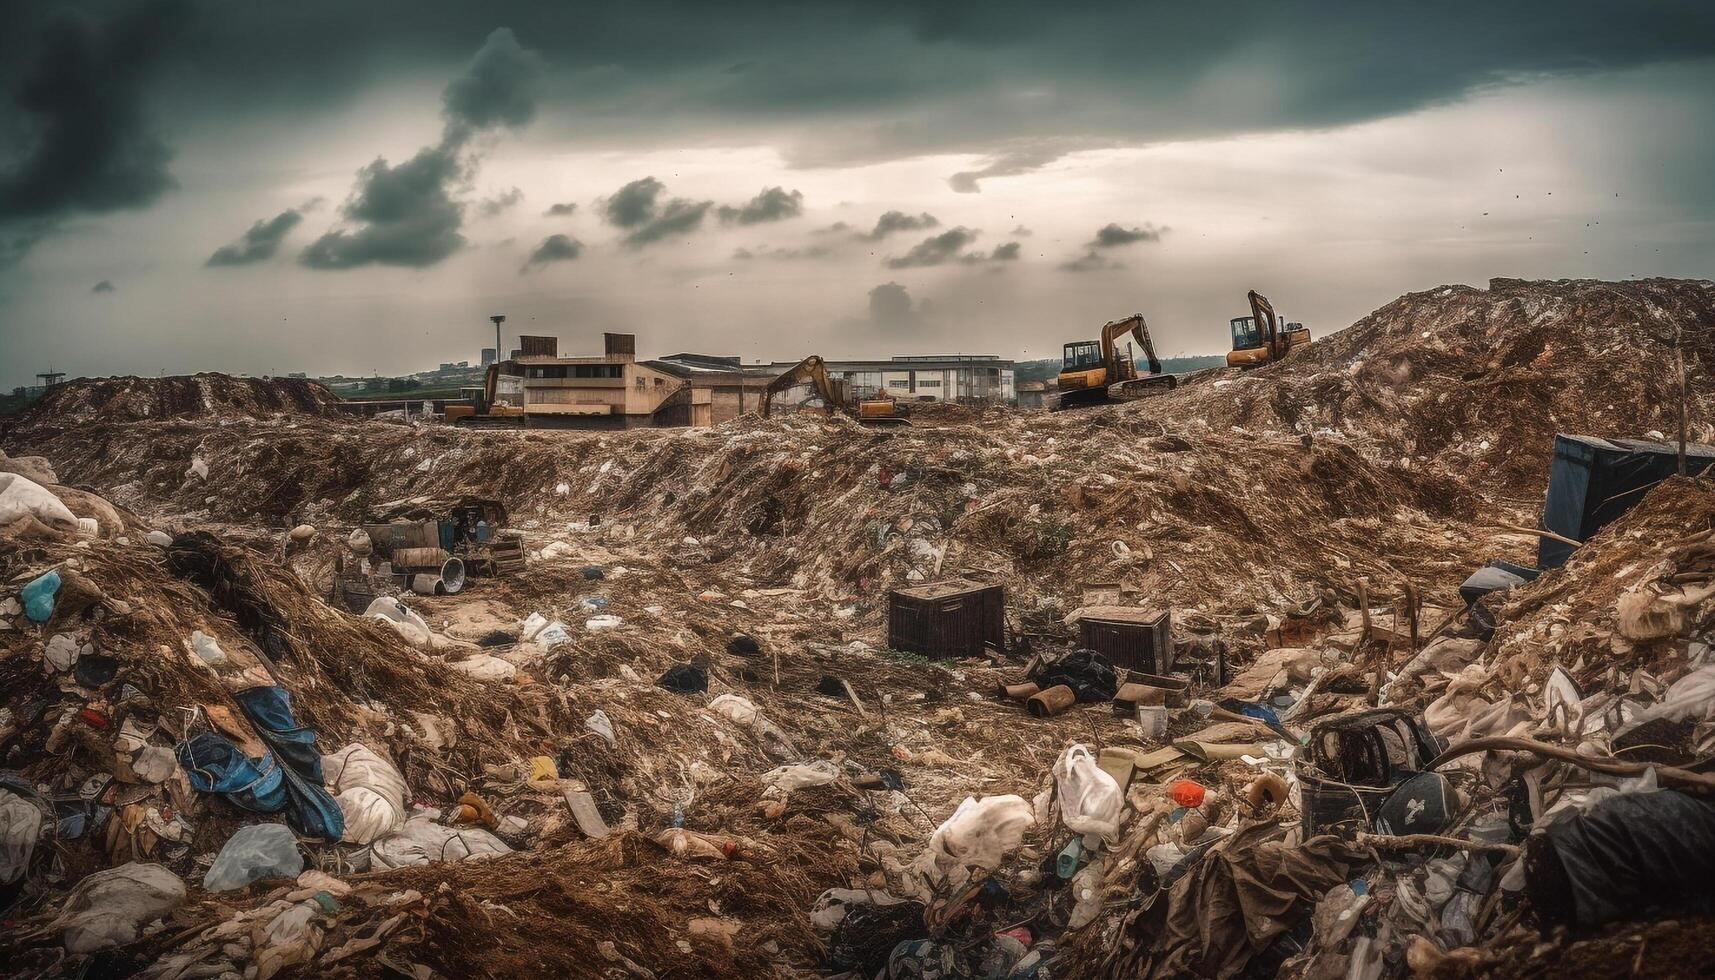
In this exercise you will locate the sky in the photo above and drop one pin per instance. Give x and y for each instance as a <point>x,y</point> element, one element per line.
<point>354,187</point>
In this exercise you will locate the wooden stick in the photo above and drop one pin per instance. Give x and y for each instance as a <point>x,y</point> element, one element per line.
<point>1405,842</point>
<point>1611,766</point>
<point>1539,532</point>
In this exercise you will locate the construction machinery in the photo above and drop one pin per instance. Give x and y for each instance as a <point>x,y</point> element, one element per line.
<point>1094,371</point>
<point>1264,337</point>
<point>812,371</point>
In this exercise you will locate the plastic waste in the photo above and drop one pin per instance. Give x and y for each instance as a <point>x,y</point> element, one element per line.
<point>369,790</point>
<point>109,908</point>
<point>1067,861</point>
<point>159,539</point>
<point>735,708</point>
<point>980,833</point>
<point>423,841</point>
<point>63,650</point>
<point>1090,799</point>
<point>38,596</point>
<point>22,497</point>
<point>596,624</point>
<point>255,852</point>
<point>785,779</point>
<point>684,679</point>
<point>399,616</point>
<point>1087,896</point>
<point>485,667</point>
<point>599,723</point>
<point>207,648</point>
<point>832,905</point>
<point>21,824</point>
<point>1186,793</point>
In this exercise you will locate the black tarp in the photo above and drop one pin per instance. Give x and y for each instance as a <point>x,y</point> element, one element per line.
<point>1593,481</point>
<point>1623,857</point>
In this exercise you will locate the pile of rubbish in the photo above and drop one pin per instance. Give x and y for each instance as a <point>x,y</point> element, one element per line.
<point>131,398</point>
<point>673,739</point>
<point>1477,381</point>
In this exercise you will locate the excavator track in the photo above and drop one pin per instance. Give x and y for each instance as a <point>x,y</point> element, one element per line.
<point>1136,389</point>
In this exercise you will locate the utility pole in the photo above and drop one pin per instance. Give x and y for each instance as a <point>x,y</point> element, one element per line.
<point>1679,365</point>
<point>498,319</point>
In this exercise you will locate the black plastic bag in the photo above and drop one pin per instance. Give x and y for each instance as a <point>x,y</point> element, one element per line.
<point>1086,672</point>
<point>1622,857</point>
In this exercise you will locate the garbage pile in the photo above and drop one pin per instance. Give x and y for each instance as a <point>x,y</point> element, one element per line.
<point>1476,381</point>
<point>674,740</point>
<point>91,400</point>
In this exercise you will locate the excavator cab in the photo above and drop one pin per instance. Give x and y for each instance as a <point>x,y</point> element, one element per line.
<point>1081,355</point>
<point>1245,333</point>
<point>1264,336</point>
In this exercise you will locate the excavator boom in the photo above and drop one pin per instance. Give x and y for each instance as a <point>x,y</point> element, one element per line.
<point>1266,337</point>
<point>813,371</point>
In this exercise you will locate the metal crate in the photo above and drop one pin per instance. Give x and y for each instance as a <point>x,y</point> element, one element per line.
<point>1139,639</point>
<point>947,619</point>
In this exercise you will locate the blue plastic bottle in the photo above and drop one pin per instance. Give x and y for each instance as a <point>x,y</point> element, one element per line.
<point>39,595</point>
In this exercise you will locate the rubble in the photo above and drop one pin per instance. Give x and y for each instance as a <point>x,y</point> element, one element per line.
<point>676,735</point>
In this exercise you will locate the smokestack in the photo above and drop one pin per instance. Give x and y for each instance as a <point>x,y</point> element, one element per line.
<point>498,319</point>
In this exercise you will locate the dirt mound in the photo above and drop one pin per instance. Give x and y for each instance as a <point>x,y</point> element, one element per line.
<point>1477,381</point>
<point>131,398</point>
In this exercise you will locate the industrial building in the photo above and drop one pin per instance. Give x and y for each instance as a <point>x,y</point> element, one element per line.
<point>961,378</point>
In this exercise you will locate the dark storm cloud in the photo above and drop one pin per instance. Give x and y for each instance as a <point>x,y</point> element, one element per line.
<point>104,286</point>
<point>407,215</point>
<point>676,217</point>
<point>1005,253</point>
<point>638,207</point>
<point>1113,235</point>
<point>1003,78</point>
<point>894,221</point>
<point>935,249</point>
<point>497,89</point>
<point>772,204</point>
<point>260,242</point>
<point>560,210</point>
<point>75,138</point>
<point>633,204</point>
<point>554,248</point>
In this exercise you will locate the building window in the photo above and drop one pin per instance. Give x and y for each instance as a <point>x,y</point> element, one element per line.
<point>659,382</point>
<point>642,381</point>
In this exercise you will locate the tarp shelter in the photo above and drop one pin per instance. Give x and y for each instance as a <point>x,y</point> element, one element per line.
<point>1593,481</point>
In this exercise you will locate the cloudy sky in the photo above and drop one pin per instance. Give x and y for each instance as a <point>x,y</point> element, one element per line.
<point>355,186</point>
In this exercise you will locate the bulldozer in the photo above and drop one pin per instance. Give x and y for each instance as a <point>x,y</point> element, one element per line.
<point>811,370</point>
<point>1263,337</point>
<point>1094,371</point>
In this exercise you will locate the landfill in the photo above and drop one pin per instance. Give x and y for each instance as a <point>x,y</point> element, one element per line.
<point>693,729</point>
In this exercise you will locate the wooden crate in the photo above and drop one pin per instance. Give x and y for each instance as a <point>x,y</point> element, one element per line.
<point>947,619</point>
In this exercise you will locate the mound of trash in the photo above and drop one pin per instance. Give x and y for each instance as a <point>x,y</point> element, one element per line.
<point>130,398</point>
<point>1477,381</point>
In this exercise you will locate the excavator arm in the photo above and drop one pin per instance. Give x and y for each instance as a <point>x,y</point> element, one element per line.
<point>1267,324</point>
<point>810,369</point>
<point>1140,330</point>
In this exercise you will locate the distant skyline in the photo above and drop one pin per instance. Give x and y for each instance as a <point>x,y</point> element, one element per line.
<point>349,188</point>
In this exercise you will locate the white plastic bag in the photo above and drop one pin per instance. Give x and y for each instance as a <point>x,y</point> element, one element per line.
<point>108,908</point>
<point>23,497</point>
<point>369,790</point>
<point>981,833</point>
<point>736,709</point>
<point>20,830</point>
<point>1090,800</point>
<point>422,841</point>
<point>399,616</point>
<point>788,778</point>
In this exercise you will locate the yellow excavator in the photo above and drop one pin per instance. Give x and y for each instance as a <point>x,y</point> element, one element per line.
<point>1094,371</point>
<point>811,370</point>
<point>1263,337</point>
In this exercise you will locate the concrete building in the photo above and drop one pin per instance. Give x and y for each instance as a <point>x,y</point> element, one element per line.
<point>721,388</point>
<point>961,378</point>
<point>610,391</point>
<point>1033,394</point>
